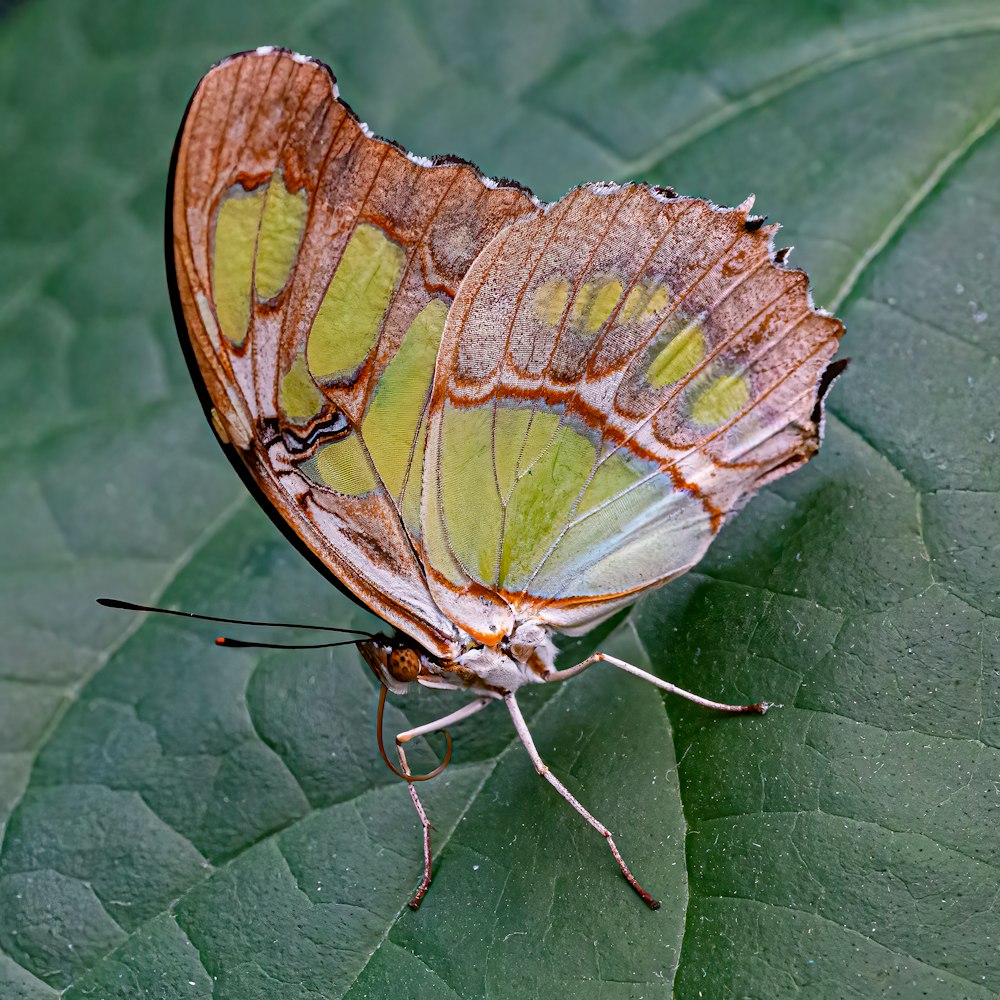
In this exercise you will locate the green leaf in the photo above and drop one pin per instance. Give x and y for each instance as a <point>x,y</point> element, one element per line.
<point>187,822</point>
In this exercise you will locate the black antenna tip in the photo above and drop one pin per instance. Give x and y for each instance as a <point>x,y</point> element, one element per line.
<point>111,602</point>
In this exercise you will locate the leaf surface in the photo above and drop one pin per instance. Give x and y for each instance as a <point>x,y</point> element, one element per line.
<point>179,821</point>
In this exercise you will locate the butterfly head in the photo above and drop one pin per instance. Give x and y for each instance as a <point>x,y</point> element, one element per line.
<point>396,662</point>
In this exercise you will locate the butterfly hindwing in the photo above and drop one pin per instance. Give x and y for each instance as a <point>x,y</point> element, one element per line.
<point>615,378</point>
<point>315,266</point>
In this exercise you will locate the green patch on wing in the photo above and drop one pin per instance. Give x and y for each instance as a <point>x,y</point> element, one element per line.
<point>594,304</point>
<point>541,503</point>
<point>719,400</point>
<point>351,314</point>
<point>473,515</point>
<point>393,428</point>
<point>299,397</point>
<point>527,507</point>
<point>343,466</point>
<point>236,227</point>
<point>682,352</point>
<point>257,235</point>
<point>281,225</point>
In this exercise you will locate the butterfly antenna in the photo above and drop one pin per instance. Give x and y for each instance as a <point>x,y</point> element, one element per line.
<point>230,643</point>
<point>111,602</point>
<point>392,767</point>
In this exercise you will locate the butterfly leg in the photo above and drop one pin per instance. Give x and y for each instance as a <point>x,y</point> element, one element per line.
<point>431,727</point>
<point>542,768</point>
<point>758,708</point>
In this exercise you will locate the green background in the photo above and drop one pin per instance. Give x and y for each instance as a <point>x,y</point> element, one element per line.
<point>183,822</point>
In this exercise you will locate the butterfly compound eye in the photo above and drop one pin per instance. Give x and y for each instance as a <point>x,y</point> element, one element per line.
<point>404,665</point>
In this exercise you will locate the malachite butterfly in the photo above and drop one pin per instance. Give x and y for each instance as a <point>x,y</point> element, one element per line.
<point>490,419</point>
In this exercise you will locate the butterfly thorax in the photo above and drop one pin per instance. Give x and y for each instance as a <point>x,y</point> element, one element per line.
<point>526,656</point>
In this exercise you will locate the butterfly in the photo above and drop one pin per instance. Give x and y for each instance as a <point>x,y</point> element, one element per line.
<point>488,418</point>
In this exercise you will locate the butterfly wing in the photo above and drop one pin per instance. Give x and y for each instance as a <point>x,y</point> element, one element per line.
<point>615,378</point>
<point>314,266</point>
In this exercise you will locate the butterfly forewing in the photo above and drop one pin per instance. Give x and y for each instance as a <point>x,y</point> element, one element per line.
<point>315,266</point>
<point>615,378</point>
